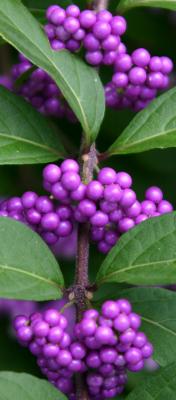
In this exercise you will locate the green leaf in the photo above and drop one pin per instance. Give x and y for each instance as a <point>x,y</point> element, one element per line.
<point>20,386</point>
<point>79,83</point>
<point>146,255</point>
<point>125,5</point>
<point>28,269</point>
<point>157,308</point>
<point>162,386</point>
<point>154,127</point>
<point>25,136</point>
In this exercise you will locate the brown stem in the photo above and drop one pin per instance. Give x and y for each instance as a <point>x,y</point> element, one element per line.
<point>88,162</point>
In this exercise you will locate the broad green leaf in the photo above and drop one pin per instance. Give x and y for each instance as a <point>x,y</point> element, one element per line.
<point>79,83</point>
<point>157,308</point>
<point>28,269</point>
<point>162,386</point>
<point>154,127</point>
<point>25,136</point>
<point>20,386</point>
<point>125,5</point>
<point>146,255</point>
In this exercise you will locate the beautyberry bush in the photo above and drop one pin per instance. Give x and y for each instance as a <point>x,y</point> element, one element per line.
<point>87,241</point>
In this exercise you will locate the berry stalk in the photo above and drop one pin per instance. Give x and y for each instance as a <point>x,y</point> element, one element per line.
<point>100,5</point>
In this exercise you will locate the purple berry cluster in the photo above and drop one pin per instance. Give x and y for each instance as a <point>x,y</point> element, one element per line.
<point>119,210</point>
<point>47,339</point>
<point>41,214</point>
<point>114,345</point>
<point>137,79</point>
<point>108,203</point>
<point>40,90</point>
<point>103,347</point>
<point>98,33</point>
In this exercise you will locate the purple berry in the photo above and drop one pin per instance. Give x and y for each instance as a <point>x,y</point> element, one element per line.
<point>110,309</point>
<point>118,25</point>
<point>52,317</point>
<point>57,16</point>
<point>137,76</point>
<point>71,25</point>
<point>107,176</point>
<point>87,19</point>
<point>94,190</point>
<point>70,180</point>
<point>41,329</point>
<point>101,29</point>
<point>99,219</point>
<point>87,208</point>
<point>140,57</point>
<point>133,356</point>
<point>28,199</point>
<point>52,173</point>
<point>69,165</point>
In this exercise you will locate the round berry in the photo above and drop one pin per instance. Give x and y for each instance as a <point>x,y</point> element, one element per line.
<point>87,208</point>
<point>140,57</point>
<point>70,180</point>
<point>52,173</point>
<point>107,176</point>
<point>87,19</point>
<point>28,199</point>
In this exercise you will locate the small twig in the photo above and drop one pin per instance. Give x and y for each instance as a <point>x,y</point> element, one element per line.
<point>67,305</point>
<point>100,5</point>
<point>102,156</point>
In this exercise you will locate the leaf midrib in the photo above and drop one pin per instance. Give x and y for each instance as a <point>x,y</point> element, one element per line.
<point>140,3</point>
<point>133,144</point>
<point>146,119</point>
<point>135,267</point>
<point>146,139</point>
<point>35,144</point>
<point>30,274</point>
<point>158,325</point>
<point>151,1</point>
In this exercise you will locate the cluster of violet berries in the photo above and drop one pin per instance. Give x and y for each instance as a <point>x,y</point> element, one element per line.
<point>102,346</point>
<point>137,77</point>
<point>136,80</point>
<point>40,90</point>
<point>98,33</point>
<point>107,203</point>
<point>50,221</point>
